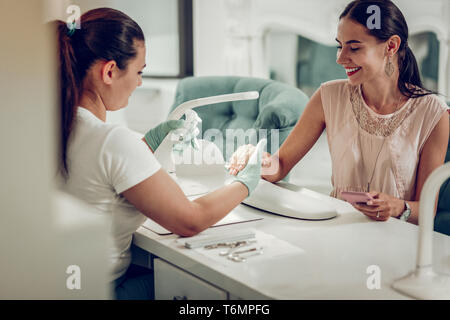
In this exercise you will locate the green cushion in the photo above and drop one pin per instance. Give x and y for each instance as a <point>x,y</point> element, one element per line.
<point>279,106</point>
<point>442,219</point>
<point>442,222</point>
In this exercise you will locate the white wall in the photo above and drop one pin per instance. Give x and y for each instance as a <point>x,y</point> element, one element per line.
<point>159,22</point>
<point>223,26</point>
<point>209,34</point>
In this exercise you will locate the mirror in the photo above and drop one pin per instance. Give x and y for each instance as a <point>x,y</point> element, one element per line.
<point>307,64</point>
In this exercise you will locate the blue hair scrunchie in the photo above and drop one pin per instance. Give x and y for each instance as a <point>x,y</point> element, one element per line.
<point>72,28</point>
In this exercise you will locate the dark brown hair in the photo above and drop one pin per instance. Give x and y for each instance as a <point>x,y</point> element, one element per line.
<point>105,34</point>
<point>392,23</point>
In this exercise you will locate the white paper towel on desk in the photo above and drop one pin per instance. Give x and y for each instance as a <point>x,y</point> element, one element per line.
<point>273,248</point>
<point>238,215</point>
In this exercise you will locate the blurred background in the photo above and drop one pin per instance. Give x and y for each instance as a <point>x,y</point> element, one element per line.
<point>43,232</point>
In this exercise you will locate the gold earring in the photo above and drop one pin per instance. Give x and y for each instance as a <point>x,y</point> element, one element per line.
<point>389,69</point>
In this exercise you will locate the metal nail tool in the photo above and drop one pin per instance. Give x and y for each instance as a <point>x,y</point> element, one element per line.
<point>236,245</point>
<point>228,237</point>
<point>220,245</point>
<point>237,256</point>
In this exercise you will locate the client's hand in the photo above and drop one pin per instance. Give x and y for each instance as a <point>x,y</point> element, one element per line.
<point>382,207</point>
<point>240,157</point>
<point>155,136</point>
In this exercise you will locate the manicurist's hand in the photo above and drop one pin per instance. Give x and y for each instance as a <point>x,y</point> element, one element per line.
<point>251,173</point>
<point>155,136</point>
<point>382,207</point>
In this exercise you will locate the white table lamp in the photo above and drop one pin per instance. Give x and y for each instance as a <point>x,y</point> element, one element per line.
<point>164,151</point>
<point>424,282</point>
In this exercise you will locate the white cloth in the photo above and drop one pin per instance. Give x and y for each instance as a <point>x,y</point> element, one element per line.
<point>104,160</point>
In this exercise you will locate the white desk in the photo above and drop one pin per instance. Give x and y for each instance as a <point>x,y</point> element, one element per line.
<point>333,264</point>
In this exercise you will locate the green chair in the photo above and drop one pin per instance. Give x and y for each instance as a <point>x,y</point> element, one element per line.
<point>279,107</point>
<point>442,219</point>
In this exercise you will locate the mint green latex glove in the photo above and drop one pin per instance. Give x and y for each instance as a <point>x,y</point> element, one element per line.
<point>251,174</point>
<point>155,136</point>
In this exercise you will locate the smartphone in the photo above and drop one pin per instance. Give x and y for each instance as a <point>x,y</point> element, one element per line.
<point>356,197</point>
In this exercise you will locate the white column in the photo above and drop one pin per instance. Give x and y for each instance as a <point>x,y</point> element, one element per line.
<point>209,37</point>
<point>258,57</point>
<point>444,69</point>
<point>238,38</point>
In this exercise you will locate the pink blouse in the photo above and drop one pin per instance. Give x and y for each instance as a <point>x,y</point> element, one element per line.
<point>356,133</point>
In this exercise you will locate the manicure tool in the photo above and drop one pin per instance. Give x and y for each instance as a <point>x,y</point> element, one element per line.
<point>237,256</point>
<point>236,246</point>
<point>230,236</point>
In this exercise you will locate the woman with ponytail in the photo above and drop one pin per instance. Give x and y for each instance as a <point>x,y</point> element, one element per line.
<point>386,132</point>
<point>113,168</point>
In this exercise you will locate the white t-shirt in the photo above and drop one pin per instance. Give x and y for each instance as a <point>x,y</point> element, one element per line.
<point>104,160</point>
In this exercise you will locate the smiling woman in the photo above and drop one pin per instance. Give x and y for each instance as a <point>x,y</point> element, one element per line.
<point>391,26</point>
<point>386,132</point>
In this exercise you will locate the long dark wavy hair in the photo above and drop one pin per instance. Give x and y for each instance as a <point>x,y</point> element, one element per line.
<point>105,34</point>
<point>392,23</point>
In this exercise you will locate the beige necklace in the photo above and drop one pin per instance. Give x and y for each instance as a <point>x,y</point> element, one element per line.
<point>369,181</point>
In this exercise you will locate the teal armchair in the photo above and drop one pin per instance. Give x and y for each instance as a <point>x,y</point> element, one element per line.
<point>279,107</point>
<point>442,219</point>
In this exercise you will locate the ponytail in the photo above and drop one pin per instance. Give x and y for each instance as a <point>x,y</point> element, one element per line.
<point>69,91</point>
<point>409,75</point>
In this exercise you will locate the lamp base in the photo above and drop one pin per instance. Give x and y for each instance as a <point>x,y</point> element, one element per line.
<point>424,283</point>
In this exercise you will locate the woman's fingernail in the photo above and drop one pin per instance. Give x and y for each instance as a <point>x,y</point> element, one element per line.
<point>369,203</point>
